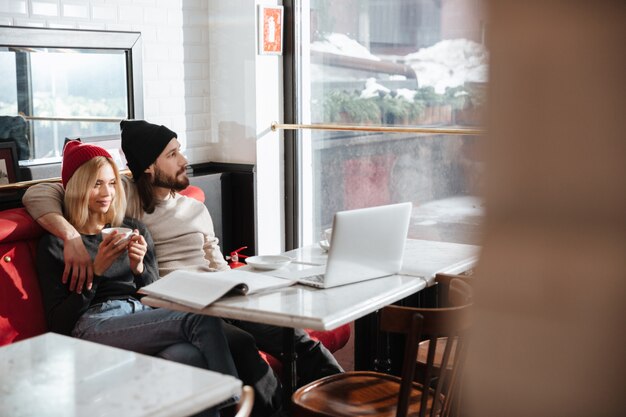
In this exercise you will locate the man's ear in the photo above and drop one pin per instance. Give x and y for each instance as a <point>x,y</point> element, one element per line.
<point>150,170</point>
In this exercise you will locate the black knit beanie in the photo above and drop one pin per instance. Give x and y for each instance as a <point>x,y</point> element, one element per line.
<point>142,143</point>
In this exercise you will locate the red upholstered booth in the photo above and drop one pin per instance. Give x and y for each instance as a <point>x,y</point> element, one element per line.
<point>21,310</point>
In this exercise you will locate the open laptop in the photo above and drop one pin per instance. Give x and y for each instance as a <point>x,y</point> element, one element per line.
<point>365,243</point>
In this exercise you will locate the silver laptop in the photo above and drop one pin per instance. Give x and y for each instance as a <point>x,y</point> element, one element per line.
<point>365,243</point>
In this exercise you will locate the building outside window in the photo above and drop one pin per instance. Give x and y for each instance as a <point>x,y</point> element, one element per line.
<point>407,63</point>
<point>66,84</point>
<point>62,84</point>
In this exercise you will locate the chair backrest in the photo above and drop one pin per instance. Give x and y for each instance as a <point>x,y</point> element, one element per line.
<point>443,287</point>
<point>194,192</point>
<point>452,323</point>
<point>245,404</point>
<point>460,292</point>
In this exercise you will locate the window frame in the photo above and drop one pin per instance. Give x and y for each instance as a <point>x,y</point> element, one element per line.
<point>129,42</point>
<point>298,190</point>
<point>291,143</point>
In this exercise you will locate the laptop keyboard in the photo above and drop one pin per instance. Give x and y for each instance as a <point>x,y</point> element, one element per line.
<point>315,278</point>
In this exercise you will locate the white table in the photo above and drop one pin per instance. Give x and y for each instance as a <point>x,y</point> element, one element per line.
<point>424,258</point>
<point>53,375</point>
<point>300,306</point>
<point>427,258</point>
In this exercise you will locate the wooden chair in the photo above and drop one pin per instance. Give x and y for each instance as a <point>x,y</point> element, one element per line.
<point>245,404</point>
<point>382,395</point>
<point>444,281</point>
<point>454,291</point>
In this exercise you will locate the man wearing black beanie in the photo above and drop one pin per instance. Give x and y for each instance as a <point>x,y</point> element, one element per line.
<point>142,143</point>
<point>184,238</point>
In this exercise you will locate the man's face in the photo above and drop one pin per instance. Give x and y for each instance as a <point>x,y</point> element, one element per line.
<point>170,168</point>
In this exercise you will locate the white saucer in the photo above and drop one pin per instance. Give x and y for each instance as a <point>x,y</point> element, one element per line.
<point>268,262</point>
<point>324,244</point>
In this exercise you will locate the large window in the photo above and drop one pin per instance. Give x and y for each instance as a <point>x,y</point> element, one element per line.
<point>396,63</point>
<point>66,84</point>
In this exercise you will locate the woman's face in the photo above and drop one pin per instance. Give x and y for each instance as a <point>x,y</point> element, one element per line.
<point>102,192</point>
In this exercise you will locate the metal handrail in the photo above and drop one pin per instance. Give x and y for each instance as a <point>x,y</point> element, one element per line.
<point>387,129</point>
<point>279,126</point>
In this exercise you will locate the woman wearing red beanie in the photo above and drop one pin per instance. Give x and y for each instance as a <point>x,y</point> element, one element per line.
<point>110,312</point>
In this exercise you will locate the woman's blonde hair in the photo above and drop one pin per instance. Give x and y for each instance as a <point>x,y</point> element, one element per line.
<point>77,194</point>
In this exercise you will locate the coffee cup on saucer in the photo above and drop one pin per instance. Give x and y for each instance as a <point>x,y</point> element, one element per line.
<point>325,242</point>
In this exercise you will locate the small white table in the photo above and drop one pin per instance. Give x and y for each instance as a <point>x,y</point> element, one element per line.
<point>427,258</point>
<point>53,375</point>
<point>300,306</point>
<point>423,258</point>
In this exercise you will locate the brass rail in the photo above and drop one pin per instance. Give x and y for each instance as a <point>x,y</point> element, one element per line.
<point>275,126</point>
<point>388,129</point>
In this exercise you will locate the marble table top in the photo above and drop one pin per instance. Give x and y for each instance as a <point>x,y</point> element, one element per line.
<point>53,375</point>
<point>424,258</point>
<point>427,258</point>
<point>300,306</point>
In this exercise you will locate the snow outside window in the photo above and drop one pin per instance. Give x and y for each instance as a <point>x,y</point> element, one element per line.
<point>392,62</point>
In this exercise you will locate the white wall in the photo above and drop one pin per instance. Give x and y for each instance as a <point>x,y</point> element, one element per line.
<point>245,97</point>
<point>202,78</point>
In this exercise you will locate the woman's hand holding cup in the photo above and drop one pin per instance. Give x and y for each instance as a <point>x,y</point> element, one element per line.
<point>108,251</point>
<point>137,248</point>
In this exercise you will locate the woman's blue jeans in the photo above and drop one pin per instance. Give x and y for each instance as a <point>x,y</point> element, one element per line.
<point>130,325</point>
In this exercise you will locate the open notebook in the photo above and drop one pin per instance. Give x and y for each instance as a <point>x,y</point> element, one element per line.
<point>199,289</point>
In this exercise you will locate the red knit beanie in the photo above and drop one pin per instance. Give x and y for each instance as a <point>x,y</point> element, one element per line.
<point>77,153</point>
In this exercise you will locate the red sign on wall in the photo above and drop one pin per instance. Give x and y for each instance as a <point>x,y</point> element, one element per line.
<point>271,30</point>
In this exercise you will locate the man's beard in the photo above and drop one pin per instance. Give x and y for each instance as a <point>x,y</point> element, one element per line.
<point>171,182</point>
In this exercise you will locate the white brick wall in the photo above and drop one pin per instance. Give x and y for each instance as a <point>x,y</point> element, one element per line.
<point>105,12</point>
<point>202,78</point>
<point>175,52</point>
<point>44,8</point>
<point>14,7</point>
<point>74,10</point>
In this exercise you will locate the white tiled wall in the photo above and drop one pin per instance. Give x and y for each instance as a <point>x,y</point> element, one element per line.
<point>175,52</point>
<point>202,78</point>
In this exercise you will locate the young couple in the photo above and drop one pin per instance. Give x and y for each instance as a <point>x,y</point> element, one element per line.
<point>89,283</point>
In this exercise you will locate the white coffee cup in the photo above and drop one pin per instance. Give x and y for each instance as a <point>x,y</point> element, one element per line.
<point>328,233</point>
<point>121,231</point>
